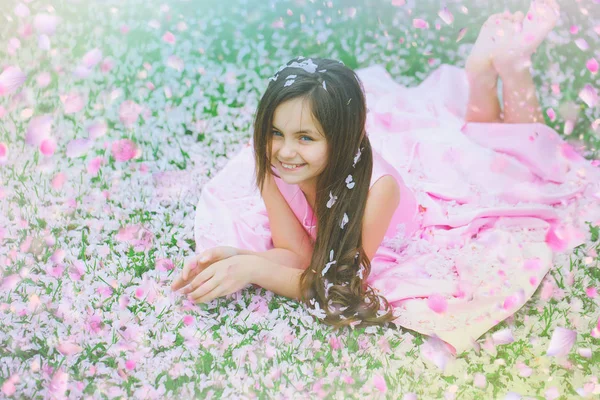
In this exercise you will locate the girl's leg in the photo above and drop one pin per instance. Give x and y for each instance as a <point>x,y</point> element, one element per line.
<point>512,61</point>
<point>484,105</point>
<point>519,96</point>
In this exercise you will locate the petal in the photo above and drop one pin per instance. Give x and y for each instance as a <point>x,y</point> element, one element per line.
<point>562,341</point>
<point>503,336</point>
<point>78,147</point>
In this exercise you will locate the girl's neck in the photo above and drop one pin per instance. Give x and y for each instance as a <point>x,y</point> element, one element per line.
<point>310,193</point>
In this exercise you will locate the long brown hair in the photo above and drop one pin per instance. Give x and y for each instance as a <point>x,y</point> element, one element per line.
<point>337,100</point>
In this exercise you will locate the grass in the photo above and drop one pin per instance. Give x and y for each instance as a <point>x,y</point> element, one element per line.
<point>110,297</point>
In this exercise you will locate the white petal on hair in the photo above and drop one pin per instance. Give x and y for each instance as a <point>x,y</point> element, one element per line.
<point>360,272</point>
<point>357,157</point>
<point>327,266</point>
<point>349,183</point>
<point>291,76</point>
<point>274,78</point>
<point>308,65</point>
<point>344,220</point>
<point>331,255</point>
<point>349,100</point>
<point>332,200</point>
<point>288,83</point>
<point>324,86</point>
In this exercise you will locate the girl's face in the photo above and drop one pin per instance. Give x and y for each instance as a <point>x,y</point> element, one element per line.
<point>298,139</point>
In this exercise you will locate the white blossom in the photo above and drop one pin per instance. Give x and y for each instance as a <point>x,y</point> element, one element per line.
<point>289,83</point>
<point>332,200</point>
<point>324,86</point>
<point>349,183</point>
<point>344,220</point>
<point>357,157</point>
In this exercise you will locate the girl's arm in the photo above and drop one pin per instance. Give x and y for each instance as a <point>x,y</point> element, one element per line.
<point>278,256</point>
<point>271,275</point>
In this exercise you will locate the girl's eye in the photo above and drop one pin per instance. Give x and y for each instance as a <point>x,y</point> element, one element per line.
<point>279,133</point>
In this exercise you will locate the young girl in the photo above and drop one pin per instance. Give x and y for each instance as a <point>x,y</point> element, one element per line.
<point>429,197</point>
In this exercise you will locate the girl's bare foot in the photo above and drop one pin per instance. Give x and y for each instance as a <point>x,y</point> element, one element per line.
<point>520,38</point>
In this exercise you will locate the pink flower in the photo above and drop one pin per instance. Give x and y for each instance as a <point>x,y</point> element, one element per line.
<point>78,147</point>
<point>43,79</point>
<point>437,303</point>
<point>48,146</point>
<point>92,57</point>
<point>45,24</point>
<point>124,150</point>
<point>164,264</point>
<point>503,336</point>
<point>10,80</point>
<point>3,153</point>
<point>94,166</point>
<point>592,65</point>
<point>129,112</point>
<point>58,181</point>
<point>379,383</point>
<point>420,23</point>
<point>59,383</point>
<point>168,37</point>
<point>591,292</point>
<point>96,130</point>
<point>73,103</point>
<point>589,95</point>
<point>551,114</point>
<point>106,65</point>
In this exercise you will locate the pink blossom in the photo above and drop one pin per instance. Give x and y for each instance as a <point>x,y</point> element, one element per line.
<point>8,387</point>
<point>78,147</point>
<point>73,103</point>
<point>164,264</point>
<point>58,181</point>
<point>21,10</point>
<point>11,79</point>
<point>92,57</point>
<point>43,79</point>
<point>124,150</point>
<point>3,153</point>
<point>589,95</point>
<point>129,112</point>
<point>420,23</point>
<point>97,130</point>
<point>437,303</point>
<point>279,24</point>
<point>45,24</point>
<point>94,165</point>
<point>59,383</point>
<point>591,292</point>
<point>551,114</point>
<point>67,348</point>
<point>168,37</point>
<point>379,383</point>
<point>107,65</point>
<point>175,63</point>
<point>335,342</point>
<point>48,146</point>
<point>592,65</point>
<point>130,364</point>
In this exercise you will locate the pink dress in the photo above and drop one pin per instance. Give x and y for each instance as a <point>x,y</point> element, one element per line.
<point>486,208</point>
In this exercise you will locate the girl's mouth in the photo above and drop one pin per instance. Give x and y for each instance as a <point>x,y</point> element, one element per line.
<point>287,167</point>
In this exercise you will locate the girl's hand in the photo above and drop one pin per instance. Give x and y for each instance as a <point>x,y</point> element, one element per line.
<point>221,278</point>
<point>193,265</point>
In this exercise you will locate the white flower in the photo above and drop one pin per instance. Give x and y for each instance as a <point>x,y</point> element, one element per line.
<point>349,183</point>
<point>332,200</point>
<point>344,220</point>
<point>324,86</point>
<point>357,157</point>
<point>288,83</point>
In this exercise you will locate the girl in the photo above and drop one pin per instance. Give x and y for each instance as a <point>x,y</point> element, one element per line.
<point>453,223</point>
